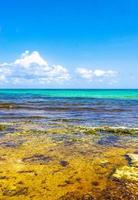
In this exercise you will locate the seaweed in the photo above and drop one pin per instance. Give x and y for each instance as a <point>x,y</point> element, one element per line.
<point>119,131</point>
<point>2,127</point>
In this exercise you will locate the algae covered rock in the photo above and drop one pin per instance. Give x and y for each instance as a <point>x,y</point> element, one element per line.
<point>127,173</point>
<point>118,130</point>
<point>2,127</point>
<point>133,159</point>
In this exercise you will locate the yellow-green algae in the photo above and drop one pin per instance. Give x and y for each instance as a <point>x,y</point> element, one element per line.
<point>35,164</point>
<point>119,131</point>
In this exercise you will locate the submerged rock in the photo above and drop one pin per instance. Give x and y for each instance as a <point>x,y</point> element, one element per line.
<point>11,144</point>
<point>15,191</point>
<point>38,158</point>
<point>109,140</point>
<point>127,173</point>
<point>64,163</point>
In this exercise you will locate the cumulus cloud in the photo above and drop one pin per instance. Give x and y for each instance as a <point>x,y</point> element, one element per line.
<point>31,68</point>
<point>85,73</point>
<point>28,59</point>
<point>103,73</point>
<point>96,74</point>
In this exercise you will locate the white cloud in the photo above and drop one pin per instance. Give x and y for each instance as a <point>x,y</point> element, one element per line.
<point>96,74</point>
<point>85,73</point>
<point>27,59</point>
<point>101,73</point>
<point>31,68</point>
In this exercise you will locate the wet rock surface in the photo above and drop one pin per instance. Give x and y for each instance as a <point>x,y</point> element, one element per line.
<point>109,140</point>
<point>128,172</point>
<point>15,192</point>
<point>66,162</point>
<point>133,158</point>
<point>11,144</point>
<point>37,158</point>
<point>119,190</point>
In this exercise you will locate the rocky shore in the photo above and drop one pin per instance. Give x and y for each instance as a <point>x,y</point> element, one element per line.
<point>59,161</point>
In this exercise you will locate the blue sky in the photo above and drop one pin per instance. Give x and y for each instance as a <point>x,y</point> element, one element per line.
<point>58,44</point>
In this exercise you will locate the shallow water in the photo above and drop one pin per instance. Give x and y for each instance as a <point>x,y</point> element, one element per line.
<point>64,162</point>
<point>49,148</point>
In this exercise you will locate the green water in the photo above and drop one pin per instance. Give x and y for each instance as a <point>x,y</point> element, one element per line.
<point>86,93</point>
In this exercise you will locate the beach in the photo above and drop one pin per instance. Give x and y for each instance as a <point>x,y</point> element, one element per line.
<point>68,144</point>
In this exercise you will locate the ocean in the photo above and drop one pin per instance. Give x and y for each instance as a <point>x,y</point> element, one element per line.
<point>92,107</point>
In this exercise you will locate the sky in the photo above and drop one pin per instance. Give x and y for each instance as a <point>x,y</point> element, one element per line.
<point>68,44</point>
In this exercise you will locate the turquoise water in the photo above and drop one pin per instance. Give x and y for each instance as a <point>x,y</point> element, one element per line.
<point>88,93</point>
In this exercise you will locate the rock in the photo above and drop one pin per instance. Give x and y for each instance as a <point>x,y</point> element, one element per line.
<point>64,163</point>
<point>127,173</point>
<point>16,192</point>
<point>119,190</point>
<point>76,196</point>
<point>38,158</point>
<point>133,159</point>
